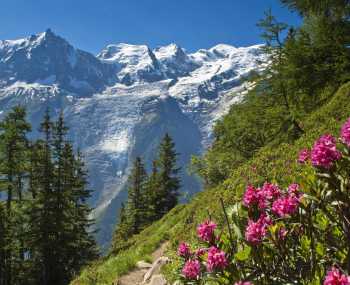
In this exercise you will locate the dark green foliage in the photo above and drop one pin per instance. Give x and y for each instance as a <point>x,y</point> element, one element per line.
<point>134,216</point>
<point>169,182</point>
<point>122,231</point>
<point>13,167</point>
<point>136,205</point>
<point>152,186</point>
<point>331,8</point>
<point>44,222</point>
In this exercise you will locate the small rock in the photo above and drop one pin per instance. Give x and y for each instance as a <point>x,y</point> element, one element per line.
<point>155,269</point>
<point>143,264</point>
<point>158,280</point>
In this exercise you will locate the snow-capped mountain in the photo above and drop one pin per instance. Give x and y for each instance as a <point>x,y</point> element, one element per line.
<point>119,103</point>
<point>48,59</point>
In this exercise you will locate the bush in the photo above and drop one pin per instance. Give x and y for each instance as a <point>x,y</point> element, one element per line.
<point>299,235</point>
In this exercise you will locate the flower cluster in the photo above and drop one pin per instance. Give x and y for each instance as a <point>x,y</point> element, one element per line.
<point>184,250</point>
<point>243,283</point>
<point>285,206</point>
<point>293,190</point>
<point>191,269</point>
<point>256,231</point>
<point>251,196</point>
<point>212,258</point>
<point>206,230</point>
<point>345,133</point>
<point>325,153</point>
<point>267,193</point>
<point>269,199</point>
<point>335,277</point>
<point>261,196</point>
<point>216,259</point>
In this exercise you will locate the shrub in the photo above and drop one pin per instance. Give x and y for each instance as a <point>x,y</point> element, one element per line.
<point>296,235</point>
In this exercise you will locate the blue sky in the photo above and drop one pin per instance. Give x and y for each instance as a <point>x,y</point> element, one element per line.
<point>92,24</point>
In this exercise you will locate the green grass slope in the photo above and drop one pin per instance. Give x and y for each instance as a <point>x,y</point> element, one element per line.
<point>270,163</point>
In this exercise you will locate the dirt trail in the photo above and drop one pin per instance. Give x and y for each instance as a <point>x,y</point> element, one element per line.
<point>135,277</point>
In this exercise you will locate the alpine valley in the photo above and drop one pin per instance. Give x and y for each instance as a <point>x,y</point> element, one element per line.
<point>120,103</point>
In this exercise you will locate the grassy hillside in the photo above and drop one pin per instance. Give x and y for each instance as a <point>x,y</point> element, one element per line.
<point>273,163</point>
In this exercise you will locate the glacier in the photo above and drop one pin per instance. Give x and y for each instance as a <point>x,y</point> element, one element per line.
<point>120,103</point>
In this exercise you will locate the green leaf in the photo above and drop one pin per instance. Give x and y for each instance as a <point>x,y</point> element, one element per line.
<point>305,244</point>
<point>320,249</point>
<point>321,221</point>
<point>243,254</point>
<point>237,231</point>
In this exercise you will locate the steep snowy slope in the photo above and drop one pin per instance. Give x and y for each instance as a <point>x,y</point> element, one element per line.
<point>120,103</point>
<point>136,63</point>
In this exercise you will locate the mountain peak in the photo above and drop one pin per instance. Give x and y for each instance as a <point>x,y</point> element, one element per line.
<point>136,63</point>
<point>223,50</point>
<point>124,53</point>
<point>169,51</point>
<point>47,57</point>
<point>49,35</point>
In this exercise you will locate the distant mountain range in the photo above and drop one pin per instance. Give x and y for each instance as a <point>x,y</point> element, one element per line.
<point>119,103</point>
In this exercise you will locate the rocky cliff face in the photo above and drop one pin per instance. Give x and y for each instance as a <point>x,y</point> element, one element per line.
<point>120,103</point>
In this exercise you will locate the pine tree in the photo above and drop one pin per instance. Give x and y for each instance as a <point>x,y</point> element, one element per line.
<point>45,233</point>
<point>169,182</point>
<point>59,213</point>
<point>43,229</point>
<point>62,186</point>
<point>275,78</point>
<point>122,231</point>
<point>151,190</point>
<point>334,8</point>
<point>84,248</point>
<point>136,207</point>
<point>13,169</point>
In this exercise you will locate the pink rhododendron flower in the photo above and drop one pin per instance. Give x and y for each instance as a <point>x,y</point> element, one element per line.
<point>191,269</point>
<point>335,277</point>
<point>261,196</point>
<point>243,283</point>
<point>250,196</point>
<point>325,153</point>
<point>285,206</point>
<point>293,189</point>
<point>267,193</point>
<point>216,259</point>
<point>184,250</point>
<point>270,191</point>
<point>205,231</point>
<point>256,231</point>
<point>304,156</point>
<point>345,133</point>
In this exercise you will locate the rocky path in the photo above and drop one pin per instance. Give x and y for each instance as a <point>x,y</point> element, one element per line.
<point>146,273</point>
